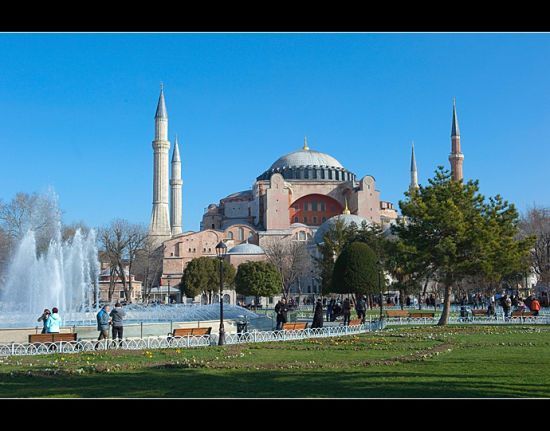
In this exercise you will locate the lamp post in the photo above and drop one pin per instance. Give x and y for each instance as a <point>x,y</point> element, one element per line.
<point>221,251</point>
<point>379,264</point>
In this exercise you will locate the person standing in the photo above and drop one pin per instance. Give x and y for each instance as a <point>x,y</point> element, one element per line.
<point>534,306</point>
<point>43,319</point>
<point>117,316</point>
<point>329,308</point>
<point>361,308</point>
<point>53,322</point>
<point>506,304</point>
<point>281,310</point>
<point>103,322</point>
<point>318,315</point>
<point>346,311</point>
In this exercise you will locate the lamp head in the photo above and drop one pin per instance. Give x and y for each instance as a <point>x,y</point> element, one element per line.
<point>221,250</point>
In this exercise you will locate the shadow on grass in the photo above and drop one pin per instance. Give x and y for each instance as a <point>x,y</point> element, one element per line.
<point>200,383</point>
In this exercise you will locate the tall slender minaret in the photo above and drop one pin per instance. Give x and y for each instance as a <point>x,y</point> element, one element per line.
<point>159,229</point>
<point>414,175</point>
<point>456,157</point>
<point>175,190</point>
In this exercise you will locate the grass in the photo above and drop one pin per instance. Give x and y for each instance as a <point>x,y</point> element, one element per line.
<point>399,362</point>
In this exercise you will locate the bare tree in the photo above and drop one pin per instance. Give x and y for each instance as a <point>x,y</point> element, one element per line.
<point>537,222</point>
<point>291,259</point>
<point>121,241</point>
<point>148,266</point>
<point>37,212</point>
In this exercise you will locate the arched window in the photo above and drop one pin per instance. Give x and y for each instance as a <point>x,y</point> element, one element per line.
<point>229,235</point>
<point>240,234</point>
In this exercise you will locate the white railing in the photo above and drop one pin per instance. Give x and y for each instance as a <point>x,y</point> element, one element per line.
<point>162,342</point>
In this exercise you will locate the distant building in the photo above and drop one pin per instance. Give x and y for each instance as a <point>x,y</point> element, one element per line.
<point>117,293</point>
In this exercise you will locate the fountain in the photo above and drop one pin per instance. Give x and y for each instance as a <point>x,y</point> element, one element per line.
<point>65,276</point>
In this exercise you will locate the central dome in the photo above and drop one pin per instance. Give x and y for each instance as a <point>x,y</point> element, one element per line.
<point>306,164</point>
<point>306,158</point>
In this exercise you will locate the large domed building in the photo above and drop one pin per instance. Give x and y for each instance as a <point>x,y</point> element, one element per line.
<point>297,198</point>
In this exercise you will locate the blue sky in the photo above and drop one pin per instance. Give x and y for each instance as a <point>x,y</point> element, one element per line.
<point>77,112</point>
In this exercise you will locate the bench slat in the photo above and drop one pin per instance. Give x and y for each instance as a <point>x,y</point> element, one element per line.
<point>397,313</point>
<point>185,332</point>
<point>294,326</point>
<point>421,315</point>
<point>52,337</point>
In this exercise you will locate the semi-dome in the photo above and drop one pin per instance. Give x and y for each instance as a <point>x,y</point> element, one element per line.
<point>306,164</point>
<point>246,248</point>
<point>347,219</point>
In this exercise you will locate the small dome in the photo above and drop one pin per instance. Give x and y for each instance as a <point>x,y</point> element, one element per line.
<point>348,219</point>
<point>246,248</point>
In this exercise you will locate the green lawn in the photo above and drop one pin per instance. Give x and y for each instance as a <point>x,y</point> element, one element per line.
<point>400,362</point>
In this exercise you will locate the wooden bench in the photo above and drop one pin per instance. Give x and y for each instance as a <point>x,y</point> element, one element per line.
<point>294,326</point>
<point>479,312</point>
<point>482,312</point>
<point>421,315</point>
<point>523,314</point>
<point>190,332</point>
<point>52,337</point>
<point>397,313</point>
<point>355,322</point>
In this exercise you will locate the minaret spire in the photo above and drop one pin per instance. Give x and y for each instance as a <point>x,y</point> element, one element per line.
<point>456,158</point>
<point>414,175</point>
<point>175,190</point>
<point>159,228</point>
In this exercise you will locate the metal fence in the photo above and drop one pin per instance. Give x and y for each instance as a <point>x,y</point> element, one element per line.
<point>162,342</point>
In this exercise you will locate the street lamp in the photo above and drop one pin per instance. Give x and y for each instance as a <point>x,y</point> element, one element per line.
<point>221,251</point>
<point>379,264</point>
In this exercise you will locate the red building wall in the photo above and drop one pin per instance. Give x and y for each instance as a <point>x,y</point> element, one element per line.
<point>314,209</point>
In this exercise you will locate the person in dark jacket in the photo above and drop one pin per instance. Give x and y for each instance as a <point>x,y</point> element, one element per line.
<point>346,311</point>
<point>318,315</point>
<point>281,310</point>
<point>43,319</point>
<point>117,316</point>
<point>361,308</point>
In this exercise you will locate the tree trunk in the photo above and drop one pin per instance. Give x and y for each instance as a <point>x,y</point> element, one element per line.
<point>446,307</point>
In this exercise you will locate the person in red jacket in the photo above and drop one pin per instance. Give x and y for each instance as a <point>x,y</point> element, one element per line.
<point>535,306</point>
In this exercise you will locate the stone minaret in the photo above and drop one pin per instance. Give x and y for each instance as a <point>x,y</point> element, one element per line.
<point>175,190</point>
<point>414,175</point>
<point>159,229</point>
<point>456,157</point>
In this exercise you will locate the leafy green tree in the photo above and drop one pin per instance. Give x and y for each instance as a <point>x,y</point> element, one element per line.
<point>334,241</point>
<point>202,275</point>
<point>356,271</point>
<point>258,279</point>
<point>452,231</point>
<point>398,263</point>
